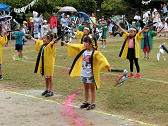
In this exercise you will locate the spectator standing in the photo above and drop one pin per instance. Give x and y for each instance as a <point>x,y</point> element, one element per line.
<point>145,17</point>
<point>92,22</point>
<point>156,18</point>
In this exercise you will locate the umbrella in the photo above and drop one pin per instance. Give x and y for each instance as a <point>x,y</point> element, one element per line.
<point>67,9</point>
<point>84,15</point>
<point>5,16</point>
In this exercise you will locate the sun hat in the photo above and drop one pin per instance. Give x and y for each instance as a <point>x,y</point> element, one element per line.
<point>31,19</point>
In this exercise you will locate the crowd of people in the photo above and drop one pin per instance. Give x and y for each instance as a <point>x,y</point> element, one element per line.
<point>88,62</point>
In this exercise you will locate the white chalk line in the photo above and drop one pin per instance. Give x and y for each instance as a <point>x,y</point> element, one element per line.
<point>100,72</point>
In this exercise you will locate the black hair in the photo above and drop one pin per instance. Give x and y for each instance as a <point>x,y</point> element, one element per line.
<point>91,40</point>
<point>49,36</point>
<point>85,22</point>
<point>21,25</point>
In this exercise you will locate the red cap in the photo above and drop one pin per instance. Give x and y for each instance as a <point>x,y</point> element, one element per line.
<point>102,16</point>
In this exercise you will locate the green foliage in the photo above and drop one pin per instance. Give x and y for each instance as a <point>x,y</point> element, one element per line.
<point>87,6</point>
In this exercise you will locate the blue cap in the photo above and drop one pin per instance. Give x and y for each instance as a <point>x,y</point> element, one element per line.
<point>53,13</point>
<point>136,12</point>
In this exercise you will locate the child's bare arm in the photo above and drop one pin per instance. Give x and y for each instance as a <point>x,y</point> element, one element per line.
<point>109,68</point>
<point>142,30</point>
<point>5,33</point>
<point>52,43</point>
<point>33,39</point>
<point>26,34</point>
<point>122,29</point>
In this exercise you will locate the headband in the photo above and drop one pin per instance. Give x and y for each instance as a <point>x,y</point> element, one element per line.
<point>86,28</point>
<point>95,46</point>
<point>93,41</point>
<point>134,29</point>
<point>49,37</point>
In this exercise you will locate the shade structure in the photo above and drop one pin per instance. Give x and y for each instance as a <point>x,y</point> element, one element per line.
<point>4,7</point>
<point>67,9</point>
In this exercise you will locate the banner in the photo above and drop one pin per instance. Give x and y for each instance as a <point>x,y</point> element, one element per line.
<point>23,9</point>
<point>146,2</point>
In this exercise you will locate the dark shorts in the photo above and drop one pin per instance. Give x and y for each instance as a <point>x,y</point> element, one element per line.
<point>18,47</point>
<point>131,53</point>
<point>146,49</point>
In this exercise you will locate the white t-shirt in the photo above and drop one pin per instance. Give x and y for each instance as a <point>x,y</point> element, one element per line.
<point>137,17</point>
<point>46,26</point>
<point>86,70</point>
<point>145,16</point>
<point>156,19</point>
<point>163,25</point>
<point>5,25</point>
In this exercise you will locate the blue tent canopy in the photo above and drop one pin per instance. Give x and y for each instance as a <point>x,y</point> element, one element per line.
<point>4,7</point>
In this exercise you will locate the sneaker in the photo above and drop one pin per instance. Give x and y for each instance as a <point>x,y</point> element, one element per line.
<point>84,105</point>
<point>1,78</point>
<point>49,93</point>
<point>17,59</point>
<point>104,47</point>
<point>44,93</point>
<point>144,56</point>
<point>109,36</point>
<point>91,106</point>
<point>101,46</point>
<point>159,35</point>
<point>147,57</point>
<point>138,76</point>
<point>131,75</point>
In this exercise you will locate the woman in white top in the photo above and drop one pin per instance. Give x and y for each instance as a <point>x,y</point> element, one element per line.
<point>137,16</point>
<point>156,18</point>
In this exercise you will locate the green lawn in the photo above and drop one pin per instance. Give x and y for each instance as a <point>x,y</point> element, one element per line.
<point>143,99</point>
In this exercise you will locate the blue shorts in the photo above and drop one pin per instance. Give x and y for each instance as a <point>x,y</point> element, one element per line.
<point>18,47</point>
<point>88,79</point>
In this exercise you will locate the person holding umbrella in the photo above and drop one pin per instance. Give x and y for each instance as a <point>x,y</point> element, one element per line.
<point>80,18</point>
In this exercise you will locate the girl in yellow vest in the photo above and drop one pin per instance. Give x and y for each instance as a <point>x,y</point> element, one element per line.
<point>130,48</point>
<point>3,41</point>
<point>88,64</point>
<point>45,61</point>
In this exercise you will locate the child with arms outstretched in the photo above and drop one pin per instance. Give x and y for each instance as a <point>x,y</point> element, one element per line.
<point>130,48</point>
<point>45,61</point>
<point>3,41</point>
<point>88,64</point>
<point>19,42</point>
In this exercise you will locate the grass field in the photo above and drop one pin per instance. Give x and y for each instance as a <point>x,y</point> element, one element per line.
<point>144,99</point>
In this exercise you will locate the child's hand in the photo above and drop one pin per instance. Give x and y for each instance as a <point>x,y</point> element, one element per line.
<point>110,69</point>
<point>31,37</point>
<point>55,41</point>
<point>64,43</point>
